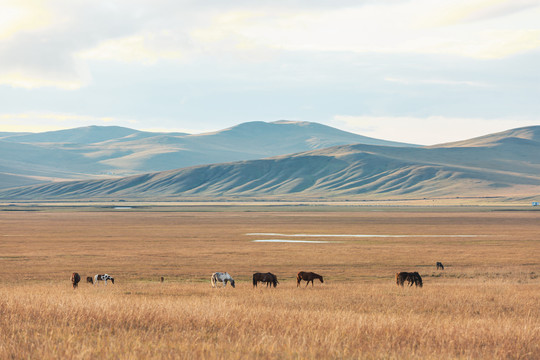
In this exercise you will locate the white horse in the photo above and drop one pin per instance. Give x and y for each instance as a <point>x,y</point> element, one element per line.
<point>222,277</point>
<point>104,277</point>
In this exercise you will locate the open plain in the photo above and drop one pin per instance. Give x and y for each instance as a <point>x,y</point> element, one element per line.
<point>484,305</point>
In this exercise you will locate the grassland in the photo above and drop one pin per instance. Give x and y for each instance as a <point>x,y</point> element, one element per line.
<point>484,305</point>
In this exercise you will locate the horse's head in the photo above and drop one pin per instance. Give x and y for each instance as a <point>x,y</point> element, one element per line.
<point>321,279</point>
<point>232,282</point>
<point>112,280</point>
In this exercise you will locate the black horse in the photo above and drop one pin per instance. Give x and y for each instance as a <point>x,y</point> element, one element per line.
<point>268,278</point>
<point>412,278</point>
<point>75,278</point>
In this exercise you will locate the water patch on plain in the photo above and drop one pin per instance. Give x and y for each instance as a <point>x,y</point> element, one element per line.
<point>295,241</point>
<point>360,235</point>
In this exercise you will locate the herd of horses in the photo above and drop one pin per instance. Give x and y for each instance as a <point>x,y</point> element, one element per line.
<point>412,278</point>
<point>76,278</point>
<point>267,278</point>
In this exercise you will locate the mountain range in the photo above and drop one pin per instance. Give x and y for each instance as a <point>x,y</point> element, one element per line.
<point>330,164</point>
<point>111,151</point>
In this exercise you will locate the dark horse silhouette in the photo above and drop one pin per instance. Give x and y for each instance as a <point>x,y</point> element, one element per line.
<point>75,278</point>
<point>410,277</point>
<point>268,278</point>
<point>440,265</point>
<point>307,276</point>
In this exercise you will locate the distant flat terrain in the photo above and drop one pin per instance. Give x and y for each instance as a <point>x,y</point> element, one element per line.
<point>484,305</point>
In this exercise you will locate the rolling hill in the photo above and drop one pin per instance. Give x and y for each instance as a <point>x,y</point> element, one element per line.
<point>97,151</point>
<point>502,164</point>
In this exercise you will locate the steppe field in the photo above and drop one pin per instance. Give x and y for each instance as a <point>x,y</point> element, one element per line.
<point>484,305</point>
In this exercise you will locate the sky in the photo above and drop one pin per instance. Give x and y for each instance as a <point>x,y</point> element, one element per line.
<point>418,71</point>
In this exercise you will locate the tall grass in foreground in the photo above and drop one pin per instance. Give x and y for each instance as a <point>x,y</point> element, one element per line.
<point>458,319</point>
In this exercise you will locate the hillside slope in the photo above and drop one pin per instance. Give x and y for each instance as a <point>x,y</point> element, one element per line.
<point>509,167</point>
<point>95,151</point>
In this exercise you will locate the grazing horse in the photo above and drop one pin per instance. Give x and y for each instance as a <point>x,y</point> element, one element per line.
<point>162,279</point>
<point>103,277</point>
<point>411,278</point>
<point>268,278</point>
<point>307,276</point>
<point>440,266</point>
<point>221,277</point>
<point>415,278</point>
<point>401,277</point>
<point>75,278</point>
<point>90,279</point>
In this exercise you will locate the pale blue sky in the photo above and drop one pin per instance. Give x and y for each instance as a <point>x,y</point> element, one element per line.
<point>420,71</point>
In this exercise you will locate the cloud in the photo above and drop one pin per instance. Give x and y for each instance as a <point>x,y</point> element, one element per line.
<point>473,11</point>
<point>146,49</point>
<point>55,43</point>
<point>45,53</point>
<point>435,81</point>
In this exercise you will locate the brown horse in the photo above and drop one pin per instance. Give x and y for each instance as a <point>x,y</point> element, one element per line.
<point>268,278</point>
<point>90,279</point>
<point>440,265</point>
<point>75,278</point>
<point>307,276</point>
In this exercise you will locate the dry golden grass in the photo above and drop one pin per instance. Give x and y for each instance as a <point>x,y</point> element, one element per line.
<point>485,305</point>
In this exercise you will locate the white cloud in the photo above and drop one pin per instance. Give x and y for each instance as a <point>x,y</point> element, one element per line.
<point>51,43</point>
<point>144,48</point>
<point>394,27</point>
<point>427,130</point>
<point>435,81</point>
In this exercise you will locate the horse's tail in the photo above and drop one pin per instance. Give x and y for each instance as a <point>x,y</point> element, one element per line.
<point>298,279</point>
<point>213,280</point>
<point>75,278</point>
<point>255,280</point>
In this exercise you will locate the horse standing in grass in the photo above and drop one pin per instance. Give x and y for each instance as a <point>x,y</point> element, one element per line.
<point>401,278</point>
<point>103,277</point>
<point>440,266</point>
<point>415,278</point>
<point>90,279</point>
<point>221,277</point>
<point>268,278</point>
<point>410,277</point>
<point>75,278</point>
<point>307,276</point>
